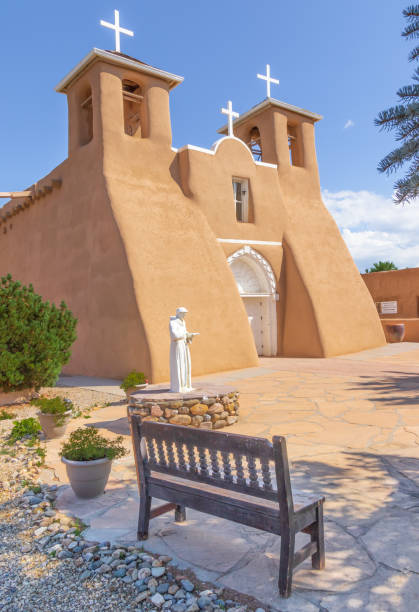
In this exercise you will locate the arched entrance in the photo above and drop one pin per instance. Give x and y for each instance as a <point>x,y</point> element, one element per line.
<point>256,284</point>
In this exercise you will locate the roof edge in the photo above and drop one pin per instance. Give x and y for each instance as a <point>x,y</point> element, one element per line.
<point>100,54</point>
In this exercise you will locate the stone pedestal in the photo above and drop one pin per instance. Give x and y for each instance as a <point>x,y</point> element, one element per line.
<point>206,407</point>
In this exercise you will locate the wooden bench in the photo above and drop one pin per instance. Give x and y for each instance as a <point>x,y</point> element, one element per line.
<point>236,477</point>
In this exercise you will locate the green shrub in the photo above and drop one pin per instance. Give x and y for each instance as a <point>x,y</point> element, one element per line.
<point>26,427</point>
<point>35,337</point>
<point>53,405</point>
<point>88,445</point>
<point>4,414</point>
<point>132,379</point>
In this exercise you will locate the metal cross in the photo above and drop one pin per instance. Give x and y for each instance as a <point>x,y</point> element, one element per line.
<point>118,30</point>
<point>267,77</point>
<point>229,111</point>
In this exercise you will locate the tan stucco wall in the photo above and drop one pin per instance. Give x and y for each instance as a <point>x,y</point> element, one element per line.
<point>400,285</point>
<point>326,308</point>
<point>132,234</point>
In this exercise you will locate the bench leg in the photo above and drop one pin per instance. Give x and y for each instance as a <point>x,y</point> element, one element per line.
<point>144,517</point>
<point>286,563</point>
<point>317,535</point>
<point>180,514</point>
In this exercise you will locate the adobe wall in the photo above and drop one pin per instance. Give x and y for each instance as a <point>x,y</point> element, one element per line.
<point>67,245</point>
<point>172,253</point>
<point>399,285</point>
<point>327,309</point>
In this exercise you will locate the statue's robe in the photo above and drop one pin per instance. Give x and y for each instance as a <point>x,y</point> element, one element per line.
<point>180,357</point>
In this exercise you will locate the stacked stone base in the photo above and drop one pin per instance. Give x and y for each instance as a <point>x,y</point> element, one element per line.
<point>204,409</point>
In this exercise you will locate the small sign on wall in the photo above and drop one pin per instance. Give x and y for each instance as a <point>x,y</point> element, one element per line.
<point>389,307</point>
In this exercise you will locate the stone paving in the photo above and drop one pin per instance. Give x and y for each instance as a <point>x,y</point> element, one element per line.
<point>352,428</point>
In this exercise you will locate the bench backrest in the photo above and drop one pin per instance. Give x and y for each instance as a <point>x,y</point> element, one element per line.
<point>231,461</point>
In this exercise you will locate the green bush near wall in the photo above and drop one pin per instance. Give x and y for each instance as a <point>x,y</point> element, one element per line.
<point>35,337</point>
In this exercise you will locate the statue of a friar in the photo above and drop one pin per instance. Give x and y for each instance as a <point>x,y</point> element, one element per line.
<point>180,357</point>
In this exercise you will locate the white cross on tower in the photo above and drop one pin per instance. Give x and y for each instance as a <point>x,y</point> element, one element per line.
<point>229,111</point>
<point>118,30</point>
<point>267,77</point>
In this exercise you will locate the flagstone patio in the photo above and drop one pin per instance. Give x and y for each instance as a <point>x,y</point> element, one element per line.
<point>352,426</point>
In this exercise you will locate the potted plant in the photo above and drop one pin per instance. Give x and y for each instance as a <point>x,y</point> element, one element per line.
<point>133,382</point>
<point>88,459</point>
<point>54,414</point>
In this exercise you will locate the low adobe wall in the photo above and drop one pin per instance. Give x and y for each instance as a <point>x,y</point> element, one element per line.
<point>411,327</point>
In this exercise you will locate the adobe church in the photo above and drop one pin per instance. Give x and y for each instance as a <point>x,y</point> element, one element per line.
<point>128,228</point>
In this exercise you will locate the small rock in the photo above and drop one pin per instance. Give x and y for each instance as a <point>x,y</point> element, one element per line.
<point>158,572</point>
<point>119,573</point>
<point>173,588</point>
<point>34,500</point>
<point>84,575</point>
<point>187,585</point>
<point>144,572</point>
<point>193,608</point>
<point>181,419</point>
<point>78,562</point>
<point>64,554</point>
<point>118,553</point>
<point>127,579</point>
<point>104,568</point>
<point>204,602</point>
<point>156,411</point>
<point>39,531</point>
<point>163,588</point>
<point>142,596</point>
<point>131,558</point>
<point>180,594</point>
<point>158,600</point>
<point>26,548</point>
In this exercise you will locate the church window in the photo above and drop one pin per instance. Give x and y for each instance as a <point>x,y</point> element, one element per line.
<point>131,93</point>
<point>241,199</point>
<point>254,144</point>
<point>86,119</point>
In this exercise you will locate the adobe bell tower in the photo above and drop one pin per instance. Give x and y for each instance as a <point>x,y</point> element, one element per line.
<point>112,97</point>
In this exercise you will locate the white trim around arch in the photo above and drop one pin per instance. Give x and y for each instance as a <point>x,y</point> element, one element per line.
<point>263,301</point>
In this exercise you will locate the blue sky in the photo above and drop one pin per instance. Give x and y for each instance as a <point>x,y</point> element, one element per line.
<point>342,60</point>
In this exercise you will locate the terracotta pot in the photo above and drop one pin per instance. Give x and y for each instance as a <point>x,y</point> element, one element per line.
<point>132,390</point>
<point>49,424</point>
<point>395,333</point>
<point>88,478</point>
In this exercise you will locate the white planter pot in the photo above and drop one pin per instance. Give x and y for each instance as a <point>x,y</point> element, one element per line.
<point>49,424</point>
<point>88,478</point>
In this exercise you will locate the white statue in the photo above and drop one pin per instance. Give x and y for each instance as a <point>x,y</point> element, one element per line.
<point>180,357</point>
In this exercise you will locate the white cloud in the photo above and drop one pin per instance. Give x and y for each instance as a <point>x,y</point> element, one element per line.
<point>374,228</point>
<point>348,124</point>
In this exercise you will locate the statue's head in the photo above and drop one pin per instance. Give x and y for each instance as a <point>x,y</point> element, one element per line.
<point>181,312</point>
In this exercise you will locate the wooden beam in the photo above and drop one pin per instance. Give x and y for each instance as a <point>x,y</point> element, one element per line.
<point>15,194</point>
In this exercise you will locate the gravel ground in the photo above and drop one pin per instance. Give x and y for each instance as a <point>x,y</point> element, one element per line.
<point>47,565</point>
